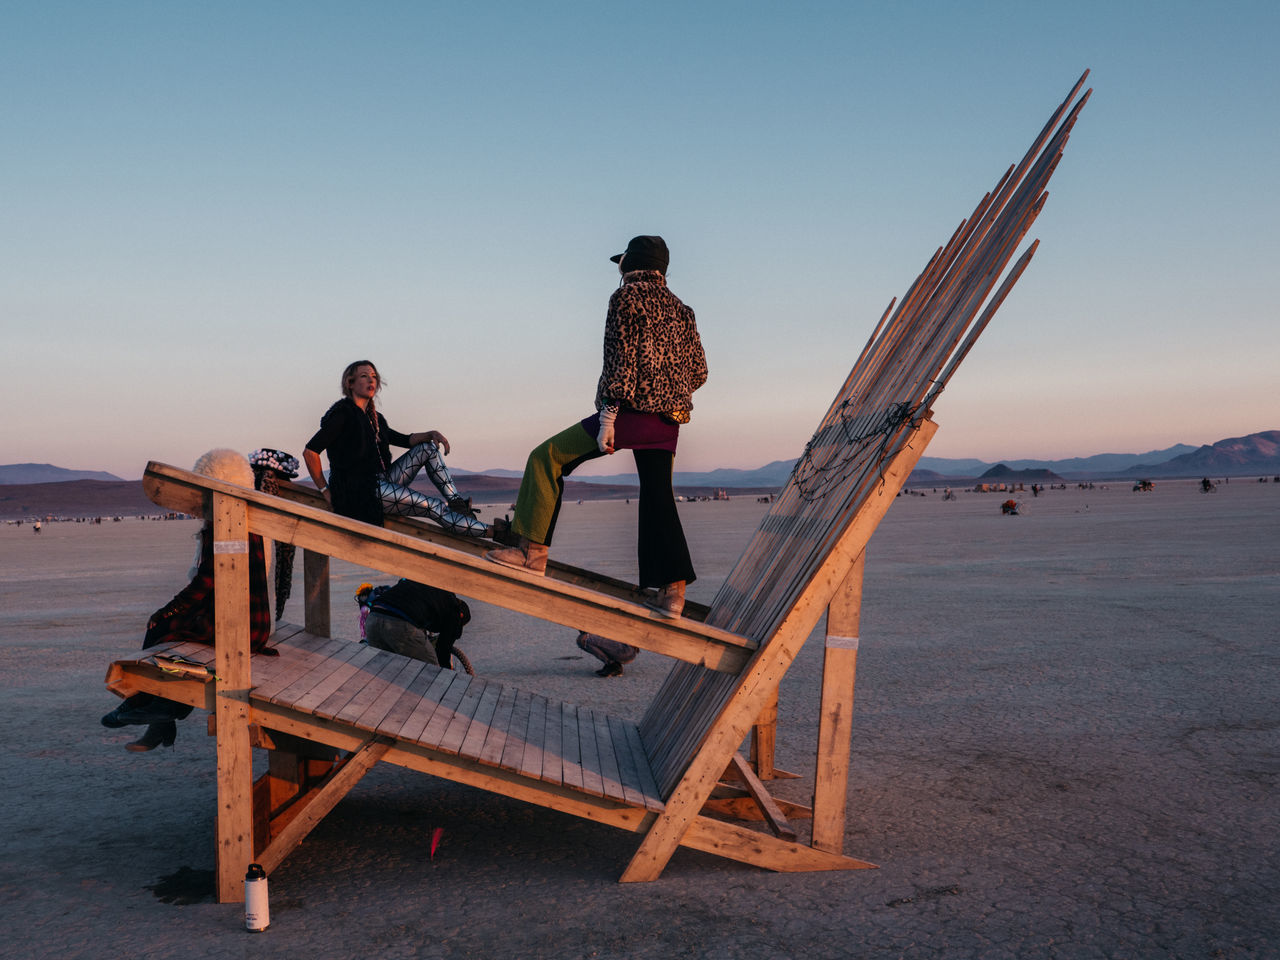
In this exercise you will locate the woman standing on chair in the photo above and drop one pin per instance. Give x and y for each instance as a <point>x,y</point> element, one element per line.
<point>364,482</point>
<point>653,362</point>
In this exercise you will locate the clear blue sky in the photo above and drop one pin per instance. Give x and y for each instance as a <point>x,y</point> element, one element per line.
<point>210,208</point>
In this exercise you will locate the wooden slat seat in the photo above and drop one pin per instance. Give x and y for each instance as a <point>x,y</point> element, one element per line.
<point>388,696</point>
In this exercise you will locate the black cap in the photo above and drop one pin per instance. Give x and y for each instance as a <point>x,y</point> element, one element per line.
<point>645,253</point>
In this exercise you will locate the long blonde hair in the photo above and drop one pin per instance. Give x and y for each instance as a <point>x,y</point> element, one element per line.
<point>350,372</point>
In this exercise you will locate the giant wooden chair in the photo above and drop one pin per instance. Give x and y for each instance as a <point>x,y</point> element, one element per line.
<point>327,710</point>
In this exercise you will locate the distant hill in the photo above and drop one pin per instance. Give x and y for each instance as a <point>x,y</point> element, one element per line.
<point>125,498</point>
<point>1001,473</point>
<point>47,473</point>
<point>76,498</point>
<point>1099,465</point>
<point>767,478</point>
<point>1257,453</point>
<point>87,493</point>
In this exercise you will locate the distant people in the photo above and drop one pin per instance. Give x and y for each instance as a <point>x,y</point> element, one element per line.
<point>36,528</point>
<point>653,362</point>
<point>403,615</point>
<point>364,482</point>
<point>188,617</point>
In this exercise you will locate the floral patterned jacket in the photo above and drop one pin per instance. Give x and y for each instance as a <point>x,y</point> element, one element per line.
<point>653,358</point>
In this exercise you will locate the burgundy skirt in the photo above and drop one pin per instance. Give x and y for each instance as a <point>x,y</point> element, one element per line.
<point>634,430</point>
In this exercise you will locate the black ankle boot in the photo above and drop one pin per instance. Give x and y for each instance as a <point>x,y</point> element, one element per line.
<point>157,734</point>
<point>463,506</point>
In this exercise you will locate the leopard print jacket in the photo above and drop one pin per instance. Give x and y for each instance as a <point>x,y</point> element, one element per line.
<point>653,358</point>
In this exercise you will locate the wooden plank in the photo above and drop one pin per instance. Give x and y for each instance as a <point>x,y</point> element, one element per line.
<point>628,771</point>
<point>610,775</point>
<point>478,732</point>
<point>552,743</point>
<point>452,720</point>
<point>764,739</point>
<point>481,695</point>
<point>496,738</point>
<point>235,848</point>
<point>389,668</point>
<point>761,849</point>
<point>358,683</point>
<point>328,534</point>
<point>772,812</point>
<point>531,760</point>
<point>514,744</point>
<point>318,805</point>
<point>835,718</point>
<point>304,671</point>
<point>415,706</point>
<point>570,748</point>
<point>435,717</point>
<point>566,573</point>
<point>591,779</point>
<point>648,785</point>
<point>333,678</point>
<point>381,707</point>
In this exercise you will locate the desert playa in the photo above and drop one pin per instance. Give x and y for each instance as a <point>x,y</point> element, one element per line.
<point>1065,745</point>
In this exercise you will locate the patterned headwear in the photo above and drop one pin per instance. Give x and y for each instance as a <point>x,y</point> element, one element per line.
<point>282,463</point>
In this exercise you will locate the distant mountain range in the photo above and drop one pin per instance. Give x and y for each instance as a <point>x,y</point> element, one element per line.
<point>1256,453</point>
<point>39,489</point>
<point>48,473</point>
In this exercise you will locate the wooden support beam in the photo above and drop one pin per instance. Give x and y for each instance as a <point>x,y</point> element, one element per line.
<point>835,720</point>
<point>548,598</point>
<point>767,667</point>
<point>556,570</point>
<point>764,739</point>
<point>735,803</point>
<point>231,692</point>
<point>314,806</point>
<point>762,849</point>
<point>773,814</point>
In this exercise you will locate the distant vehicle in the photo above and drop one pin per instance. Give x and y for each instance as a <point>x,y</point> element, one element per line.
<point>1143,486</point>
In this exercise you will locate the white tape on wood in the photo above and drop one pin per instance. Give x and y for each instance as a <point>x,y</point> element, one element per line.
<point>842,643</point>
<point>230,546</point>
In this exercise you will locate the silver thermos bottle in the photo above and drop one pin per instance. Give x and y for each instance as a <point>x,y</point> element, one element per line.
<point>257,911</point>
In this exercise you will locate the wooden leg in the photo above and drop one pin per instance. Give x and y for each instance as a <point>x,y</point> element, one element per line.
<point>315,588</point>
<point>764,738</point>
<point>231,695</point>
<point>835,721</point>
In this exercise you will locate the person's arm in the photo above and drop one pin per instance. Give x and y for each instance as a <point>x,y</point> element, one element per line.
<point>316,469</point>
<point>618,369</point>
<point>698,358</point>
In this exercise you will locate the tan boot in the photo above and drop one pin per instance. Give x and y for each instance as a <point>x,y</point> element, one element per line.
<point>526,555</point>
<point>670,600</point>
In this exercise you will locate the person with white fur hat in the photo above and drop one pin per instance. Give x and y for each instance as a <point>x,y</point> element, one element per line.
<point>189,615</point>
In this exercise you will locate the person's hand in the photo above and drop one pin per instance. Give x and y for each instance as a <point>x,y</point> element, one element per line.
<point>438,438</point>
<point>605,436</point>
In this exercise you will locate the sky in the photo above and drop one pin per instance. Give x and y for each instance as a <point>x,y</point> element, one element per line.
<point>211,208</point>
